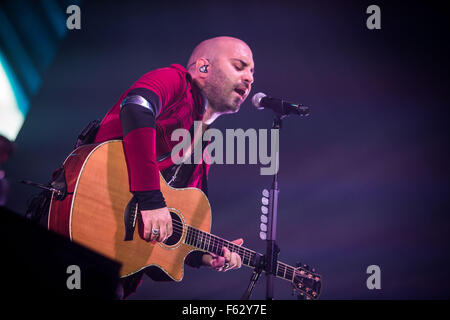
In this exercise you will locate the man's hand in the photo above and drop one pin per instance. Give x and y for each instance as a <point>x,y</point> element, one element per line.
<point>229,260</point>
<point>158,219</point>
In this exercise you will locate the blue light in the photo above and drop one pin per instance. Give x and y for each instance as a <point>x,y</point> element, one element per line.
<point>14,104</point>
<point>22,60</point>
<point>56,17</point>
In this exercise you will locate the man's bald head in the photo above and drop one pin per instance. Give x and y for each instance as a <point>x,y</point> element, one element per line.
<point>212,48</point>
<point>222,68</point>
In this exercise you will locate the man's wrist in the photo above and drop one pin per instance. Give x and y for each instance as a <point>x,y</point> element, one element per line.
<point>149,200</point>
<point>206,259</point>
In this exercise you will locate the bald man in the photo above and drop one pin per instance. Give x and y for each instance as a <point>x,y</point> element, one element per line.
<point>216,81</point>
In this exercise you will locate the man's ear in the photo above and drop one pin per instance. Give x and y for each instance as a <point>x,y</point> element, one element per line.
<point>202,68</point>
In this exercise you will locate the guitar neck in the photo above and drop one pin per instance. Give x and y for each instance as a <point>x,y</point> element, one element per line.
<point>214,244</point>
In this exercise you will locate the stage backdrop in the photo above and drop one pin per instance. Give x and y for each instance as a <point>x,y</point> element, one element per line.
<point>363,179</point>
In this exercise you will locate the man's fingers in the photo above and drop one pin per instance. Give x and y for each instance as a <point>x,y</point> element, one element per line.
<point>157,219</point>
<point>153,236</point>
<point>226,254</point>
<point>162,233</point>
<point>147,231</point>
<point>218,262</point>
<point>235,262</point>
<point>232,259</point>
<point>169,229</point>
<point>229,261</point>
<point>239,261</point>
<point>147,235</point>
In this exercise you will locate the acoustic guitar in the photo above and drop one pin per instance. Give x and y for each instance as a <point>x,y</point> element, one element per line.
<point>98,211</point>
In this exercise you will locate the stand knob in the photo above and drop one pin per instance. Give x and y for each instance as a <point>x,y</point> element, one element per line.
<point>264,218</point>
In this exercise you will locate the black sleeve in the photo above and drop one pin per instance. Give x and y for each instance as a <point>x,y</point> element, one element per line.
<point>138,124</point>
<point>195,259</point>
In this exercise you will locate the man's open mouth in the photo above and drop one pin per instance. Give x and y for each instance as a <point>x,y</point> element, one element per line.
<point>241,92</point>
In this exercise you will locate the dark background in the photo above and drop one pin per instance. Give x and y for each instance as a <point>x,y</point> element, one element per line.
<point>363,180</point>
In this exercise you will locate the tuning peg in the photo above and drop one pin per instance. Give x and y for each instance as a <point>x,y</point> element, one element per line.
<point>263,227</point>
<point>264,209</point>
<point>263,235</point>
<point>265,193</point>
<point>264,218</point>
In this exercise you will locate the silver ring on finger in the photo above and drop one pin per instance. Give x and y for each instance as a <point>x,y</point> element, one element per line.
<point>155,231</point>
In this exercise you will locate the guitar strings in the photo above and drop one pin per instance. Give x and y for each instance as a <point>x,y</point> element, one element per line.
<point>288,271</point>
<point>218,242</point>
<point>212,240</point>
<point>243,252</point>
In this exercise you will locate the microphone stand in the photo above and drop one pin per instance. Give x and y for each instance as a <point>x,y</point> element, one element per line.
<point>272,248</point>
<point>254,278</point>
<point>268,262</point>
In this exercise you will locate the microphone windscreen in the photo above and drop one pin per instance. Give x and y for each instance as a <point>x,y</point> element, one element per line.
<point>256,100</point>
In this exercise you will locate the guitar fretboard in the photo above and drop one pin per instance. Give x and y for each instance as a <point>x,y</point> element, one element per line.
<point>213,244</point>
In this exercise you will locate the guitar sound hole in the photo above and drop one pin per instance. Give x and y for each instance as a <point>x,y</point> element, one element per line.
<point>177,228</point>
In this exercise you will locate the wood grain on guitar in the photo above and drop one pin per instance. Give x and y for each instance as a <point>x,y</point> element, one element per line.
<point>94,217</point>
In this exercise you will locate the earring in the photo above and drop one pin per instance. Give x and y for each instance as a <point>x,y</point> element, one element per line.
<point>204,69</point>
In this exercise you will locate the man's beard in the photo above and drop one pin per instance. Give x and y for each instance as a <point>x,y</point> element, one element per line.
<point>219,92</point>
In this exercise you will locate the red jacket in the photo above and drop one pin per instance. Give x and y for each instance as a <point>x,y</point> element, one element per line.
<point>181,103</point>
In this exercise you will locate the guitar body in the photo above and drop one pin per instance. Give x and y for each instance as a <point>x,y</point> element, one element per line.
<point>92,214</point>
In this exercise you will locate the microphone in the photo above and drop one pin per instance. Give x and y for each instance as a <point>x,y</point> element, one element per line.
<point>279,106</point>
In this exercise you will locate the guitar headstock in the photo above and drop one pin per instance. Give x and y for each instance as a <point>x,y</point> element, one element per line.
<point>306,282</point>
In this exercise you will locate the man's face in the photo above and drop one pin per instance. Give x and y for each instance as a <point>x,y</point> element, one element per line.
<point>230,79</point>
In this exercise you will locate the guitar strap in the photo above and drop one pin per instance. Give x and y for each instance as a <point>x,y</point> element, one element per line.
<point>178,175</point>
<point>38,205</point>
<point>88,134</point>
